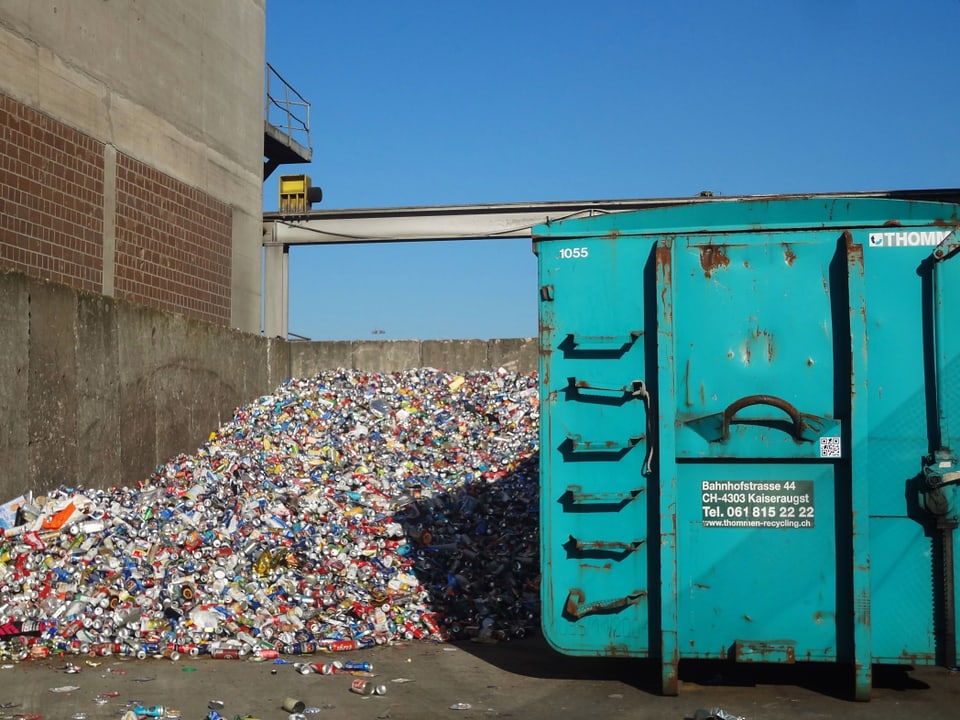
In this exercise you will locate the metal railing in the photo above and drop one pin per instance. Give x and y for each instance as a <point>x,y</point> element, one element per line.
<point>285,108</point>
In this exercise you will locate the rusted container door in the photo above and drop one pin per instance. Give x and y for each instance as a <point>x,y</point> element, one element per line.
<point>759,406</point>
<point>594,444</point>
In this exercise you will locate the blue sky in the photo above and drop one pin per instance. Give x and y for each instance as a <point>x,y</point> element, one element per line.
<point>436,103</point>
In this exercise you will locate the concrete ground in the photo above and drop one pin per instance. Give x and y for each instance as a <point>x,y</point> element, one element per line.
<point>517,679</point>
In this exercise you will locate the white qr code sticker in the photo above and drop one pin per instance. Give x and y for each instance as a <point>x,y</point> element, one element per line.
<point>830,447</point>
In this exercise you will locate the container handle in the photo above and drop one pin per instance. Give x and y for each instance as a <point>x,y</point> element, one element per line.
<point>737,405</point>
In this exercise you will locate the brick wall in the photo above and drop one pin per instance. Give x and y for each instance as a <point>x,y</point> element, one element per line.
<point>173,244</point>
<point>51,199</point>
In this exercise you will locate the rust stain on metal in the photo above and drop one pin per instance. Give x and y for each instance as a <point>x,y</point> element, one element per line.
<point>892,223</point>
<point>820,616</point>
<point>854,252</point>
<point>664,262</point>
<point>778,651</point>
<point>613,234</point>
<point>758,336</point>
<point>574,599</point>
<point>606,566</point>
<point>713,257</point>
<point>770,346</point>
<point>916,658</point>
<point>546,352</point>
<point>855,265</point>
<point>861,608</point>
<point>788,255</point>
<point>608,545</point>
<point>576,606</point>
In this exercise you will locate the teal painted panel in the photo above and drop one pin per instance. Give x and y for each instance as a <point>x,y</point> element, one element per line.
<point>736,297</point>
<point>809,344</point>
<point>763,214</point>
<point>594,446</point>
<point>899,431</point>
<point>902,578</point>
<point>757,583</point>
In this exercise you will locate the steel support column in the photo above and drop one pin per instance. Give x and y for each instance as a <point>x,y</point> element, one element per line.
<point>276,285</point>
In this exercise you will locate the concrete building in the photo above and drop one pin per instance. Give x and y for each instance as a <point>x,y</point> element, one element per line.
<point>134,139</point>
<point>131,157</point>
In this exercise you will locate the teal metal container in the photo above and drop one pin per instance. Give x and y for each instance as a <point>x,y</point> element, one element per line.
<point>750,411</point>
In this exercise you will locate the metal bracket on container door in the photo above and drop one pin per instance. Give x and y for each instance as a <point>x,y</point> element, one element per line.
<point>584,387</point>
<point>603,342</point>
<point>600,548</point>
<point>577,496</point>
<point>949,245</point>
<point>579,445</point>
<point>575,607</point>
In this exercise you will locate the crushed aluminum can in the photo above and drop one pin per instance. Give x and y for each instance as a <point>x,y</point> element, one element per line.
<point>715,714</point>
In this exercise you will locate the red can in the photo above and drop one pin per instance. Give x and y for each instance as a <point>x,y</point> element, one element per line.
<point>342,646</point>
<point>225,653</point>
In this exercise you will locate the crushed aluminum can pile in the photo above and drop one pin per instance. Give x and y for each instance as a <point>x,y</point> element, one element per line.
<point>341,511</point>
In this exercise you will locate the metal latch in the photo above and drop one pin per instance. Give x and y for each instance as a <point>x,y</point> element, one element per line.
<point>941,469</point>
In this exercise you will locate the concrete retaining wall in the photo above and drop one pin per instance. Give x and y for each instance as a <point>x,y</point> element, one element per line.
<point>98,392</point>
<point>384,356</point>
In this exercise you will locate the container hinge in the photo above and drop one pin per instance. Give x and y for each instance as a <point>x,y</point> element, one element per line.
<point>949,245</point>
<point>941,469</point>
<point>575,607</point>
